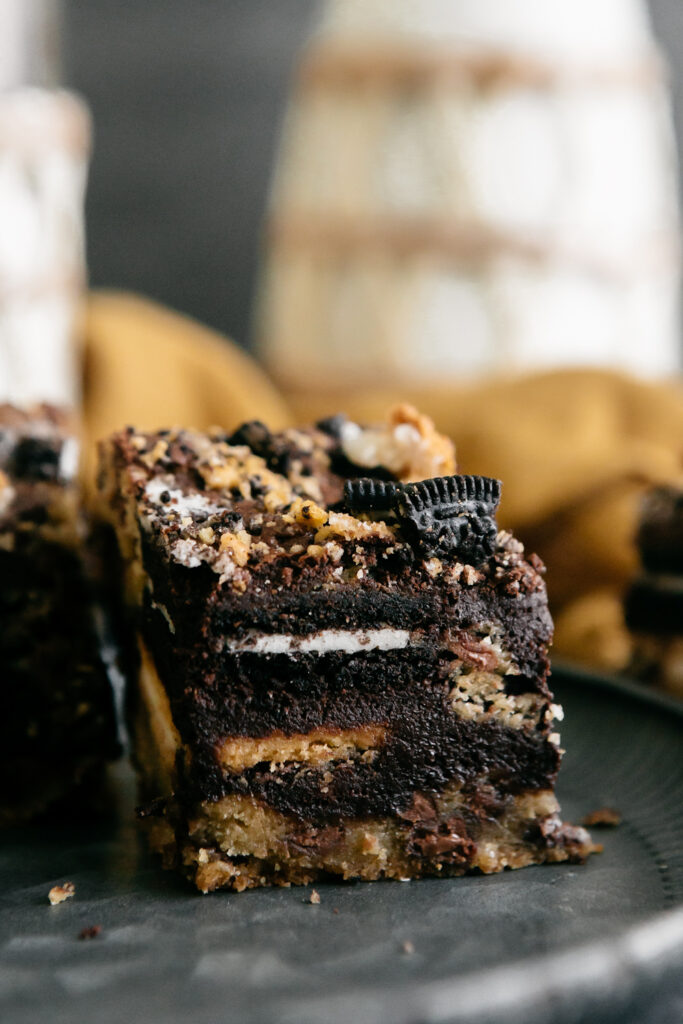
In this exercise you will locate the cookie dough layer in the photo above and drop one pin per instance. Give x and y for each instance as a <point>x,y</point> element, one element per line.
<point>238,843</point>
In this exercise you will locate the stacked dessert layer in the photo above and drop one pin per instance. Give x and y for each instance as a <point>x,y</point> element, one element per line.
<point>654,604</point>
<point>57,726</point>
<point>342,665</point>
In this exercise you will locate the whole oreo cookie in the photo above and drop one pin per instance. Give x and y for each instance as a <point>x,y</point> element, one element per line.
<point>447,515</point>
<point>253,434</point>
<point>275,449</point>
<point>452,515</point>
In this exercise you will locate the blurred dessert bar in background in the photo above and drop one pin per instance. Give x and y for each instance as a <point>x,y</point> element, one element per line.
<point>44,149</point>
<point>57,727</point>
<point>654,604</point>
<point>342,663</point>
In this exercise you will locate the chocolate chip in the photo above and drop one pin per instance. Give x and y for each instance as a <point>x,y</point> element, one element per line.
<point>277,451</point>
<point>333,425</point>
<point>36,459</point>
<point>444,842</point>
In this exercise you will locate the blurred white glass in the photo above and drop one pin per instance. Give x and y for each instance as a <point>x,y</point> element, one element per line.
<point>29,43</point>
<point>44,147</point>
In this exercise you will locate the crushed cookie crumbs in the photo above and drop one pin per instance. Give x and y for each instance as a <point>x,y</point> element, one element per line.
<point>59,893</point>
<point>603,817</point>
<point>470,575</point>
<point>314,898</point>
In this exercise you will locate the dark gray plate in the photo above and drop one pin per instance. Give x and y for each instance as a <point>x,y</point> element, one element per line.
<point>553,943</point>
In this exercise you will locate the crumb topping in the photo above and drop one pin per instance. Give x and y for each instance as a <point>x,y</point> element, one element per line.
<point>409,446</point>
<point>215,500</point>
<point>59,893</point>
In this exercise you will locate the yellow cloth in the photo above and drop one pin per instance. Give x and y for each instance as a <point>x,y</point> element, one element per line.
<point>152,368</point>
<point>575,449</point>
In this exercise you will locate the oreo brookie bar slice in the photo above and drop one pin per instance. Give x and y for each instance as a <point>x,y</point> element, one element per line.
<point>334,674</point>
<point>57,724</point>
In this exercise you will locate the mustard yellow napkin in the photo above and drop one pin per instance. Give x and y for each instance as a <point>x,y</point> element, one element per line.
<point>150,367</point>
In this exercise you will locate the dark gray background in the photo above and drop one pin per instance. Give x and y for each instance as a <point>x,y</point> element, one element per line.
<point>187,97</point>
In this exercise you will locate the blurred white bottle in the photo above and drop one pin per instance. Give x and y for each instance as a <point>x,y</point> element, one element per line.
<point>44,149</point>
<point>473,186</point>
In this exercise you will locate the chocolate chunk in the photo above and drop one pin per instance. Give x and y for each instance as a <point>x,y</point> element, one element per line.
<point>277,451</point>
<point>421,809</point>
<point>36,459</point>
<point>255,435</point>
<point>315,840</point>
<point>445,842</point>
<point>333,425</point>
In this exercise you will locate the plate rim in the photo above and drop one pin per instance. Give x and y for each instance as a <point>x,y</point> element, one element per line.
<point>581,979</point>
<point>577,980</point>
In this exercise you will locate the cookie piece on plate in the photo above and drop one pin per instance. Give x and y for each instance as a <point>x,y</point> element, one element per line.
<point>342,664</point>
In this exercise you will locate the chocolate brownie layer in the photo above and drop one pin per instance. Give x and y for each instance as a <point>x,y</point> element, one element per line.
<point>329,636</point>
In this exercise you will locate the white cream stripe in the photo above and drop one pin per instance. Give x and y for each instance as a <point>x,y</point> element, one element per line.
<point>346,641</point>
